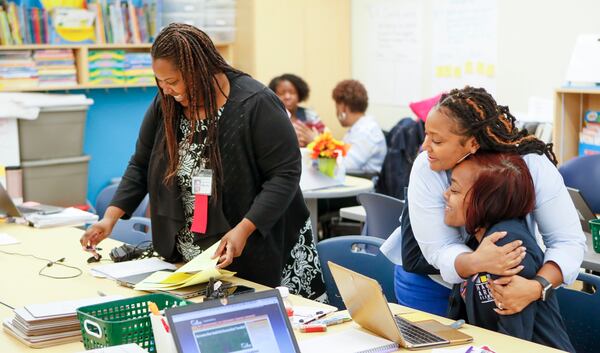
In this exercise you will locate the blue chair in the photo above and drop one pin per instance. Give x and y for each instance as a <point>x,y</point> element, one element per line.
<point>383,214</point>
<point>106,195</point>
<point>581,314</point>
<point>136,231</point>
<point>583,173</point>
<point>360,254</point>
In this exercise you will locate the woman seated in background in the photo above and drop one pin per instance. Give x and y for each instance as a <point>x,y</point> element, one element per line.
<point>492,192</point>
<point>293,90</point>
<point>367,143</point>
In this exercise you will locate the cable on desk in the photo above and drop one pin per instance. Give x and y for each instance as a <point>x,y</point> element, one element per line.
<point>50,263</point>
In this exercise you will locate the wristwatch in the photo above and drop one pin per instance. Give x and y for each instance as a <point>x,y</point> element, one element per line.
<point>547,288</point>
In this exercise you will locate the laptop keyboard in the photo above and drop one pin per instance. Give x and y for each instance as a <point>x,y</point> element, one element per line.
<point>415,335</point>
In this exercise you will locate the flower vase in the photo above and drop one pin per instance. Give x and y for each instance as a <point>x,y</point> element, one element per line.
<point>327,166</point>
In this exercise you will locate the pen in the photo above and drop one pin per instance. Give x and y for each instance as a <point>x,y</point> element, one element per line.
<point>319,314</point>
<point>335,320</point>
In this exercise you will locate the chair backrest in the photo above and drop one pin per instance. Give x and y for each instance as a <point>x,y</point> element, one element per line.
<point>360,254</point>
<point>134,231</point>
<point>383,214</point>
<point>106,195</point>
<point>583,173</point>
<point>581,314</point>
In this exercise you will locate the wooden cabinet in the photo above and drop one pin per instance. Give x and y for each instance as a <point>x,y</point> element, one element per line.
<point>570,107</point>
<point>81,62</point>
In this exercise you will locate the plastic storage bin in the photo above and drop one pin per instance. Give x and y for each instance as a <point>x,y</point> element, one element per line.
<point>219,18</point>
<point>193,19</point>
<point>219,4</point>
<point>221,34</point>
<point>56,133</point>
<point>196,6</point>
<point>60,182</point>
<point>122,321</point>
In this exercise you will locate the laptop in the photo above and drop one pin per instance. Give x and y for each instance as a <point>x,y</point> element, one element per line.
<point>583,209</point>
<point>183,293</point>
<point>8,207</point>
<point>369,308</point>
<point>254,322</point>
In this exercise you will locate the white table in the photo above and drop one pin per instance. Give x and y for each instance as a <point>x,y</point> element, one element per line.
<point>352,187</point>
<point>355,213</point>
<point>591,259</point>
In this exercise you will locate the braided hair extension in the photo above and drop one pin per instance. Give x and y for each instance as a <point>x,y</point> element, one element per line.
<point>492,125</point>
<point>194,54</point>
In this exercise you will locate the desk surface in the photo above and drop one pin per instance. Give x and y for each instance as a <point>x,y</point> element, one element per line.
<point>22,285</point>
<point>352,187</point>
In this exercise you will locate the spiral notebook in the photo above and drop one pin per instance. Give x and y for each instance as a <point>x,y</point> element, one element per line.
<point>353,340</point>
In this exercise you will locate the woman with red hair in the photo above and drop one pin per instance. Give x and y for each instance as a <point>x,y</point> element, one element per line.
<point>492,192</point>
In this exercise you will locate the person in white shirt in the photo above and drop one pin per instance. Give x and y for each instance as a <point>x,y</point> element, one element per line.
<point>367,143</point>
<point>465,121</point>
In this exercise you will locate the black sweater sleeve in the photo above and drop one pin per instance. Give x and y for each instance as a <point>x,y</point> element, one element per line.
<point>133,187</point>
<point>278,158</point>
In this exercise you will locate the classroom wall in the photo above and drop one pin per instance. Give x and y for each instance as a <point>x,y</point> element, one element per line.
<point>535,40</point>
<point>311,39</point>
<point>111,130</point>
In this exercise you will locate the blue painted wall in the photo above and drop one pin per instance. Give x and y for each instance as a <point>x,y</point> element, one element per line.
<point>111,131</point>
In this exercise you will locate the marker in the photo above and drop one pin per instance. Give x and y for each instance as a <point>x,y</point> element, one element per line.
<point>313,328</point>
<point>154,310</point>
<point>335,320</point>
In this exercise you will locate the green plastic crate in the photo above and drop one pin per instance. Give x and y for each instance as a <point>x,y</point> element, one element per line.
<point>122,321</point>
<point>595,230</point>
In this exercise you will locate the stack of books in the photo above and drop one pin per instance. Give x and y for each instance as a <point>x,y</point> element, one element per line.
<point>106,67</point>
<point>138,68</point>
<point>56,67</point>
<point>49,324</point>
<point>589,136</point>
<point>17,70</point>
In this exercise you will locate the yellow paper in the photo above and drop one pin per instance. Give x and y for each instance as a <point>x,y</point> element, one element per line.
<point>490,70</point>
<point>469,67</point>
<point>201,262</point>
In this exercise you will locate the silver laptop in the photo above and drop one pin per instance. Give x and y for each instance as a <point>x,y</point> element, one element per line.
<point>583,209</point>
<point>8,207</point>
<point>369,308</point>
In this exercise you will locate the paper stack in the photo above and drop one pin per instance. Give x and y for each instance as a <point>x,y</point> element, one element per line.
<point>49,324</point>
<point>17,69</point>
<point>106,67</point>
<point>56,67</point>
<point>138,68</point>
<point>68,217</point>
<point>197,271</point>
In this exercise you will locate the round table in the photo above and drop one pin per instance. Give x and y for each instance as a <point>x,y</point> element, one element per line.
<point>352,187</point>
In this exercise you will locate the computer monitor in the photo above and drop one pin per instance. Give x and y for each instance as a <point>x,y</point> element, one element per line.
<point>583,209</point>
<point>254,322</point>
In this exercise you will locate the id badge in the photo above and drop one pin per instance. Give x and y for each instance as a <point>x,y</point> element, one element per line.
<point>202,183</point>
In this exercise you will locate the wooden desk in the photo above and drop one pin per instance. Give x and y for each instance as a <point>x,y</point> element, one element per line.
<point>21,285</point>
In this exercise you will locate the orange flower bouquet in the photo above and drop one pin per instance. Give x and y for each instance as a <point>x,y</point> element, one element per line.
<point>325,149</point>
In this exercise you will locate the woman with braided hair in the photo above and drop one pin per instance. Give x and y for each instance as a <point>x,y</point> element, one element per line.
<point>220,160</point>
<point>463,122</point>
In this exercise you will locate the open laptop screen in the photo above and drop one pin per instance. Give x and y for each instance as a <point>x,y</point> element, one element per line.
<point>255,322</point>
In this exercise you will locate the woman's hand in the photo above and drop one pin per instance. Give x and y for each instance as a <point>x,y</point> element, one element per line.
<point>305,134</point>
<point>499,260</point>
<point>233,243</point>
<point>96,233</point>
<point>513,293</point>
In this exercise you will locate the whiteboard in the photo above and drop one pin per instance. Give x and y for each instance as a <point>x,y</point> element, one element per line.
<point>533,50</point>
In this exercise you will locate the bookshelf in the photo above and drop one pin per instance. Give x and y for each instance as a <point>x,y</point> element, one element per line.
<point>81,63</point>
<point>570,106</point>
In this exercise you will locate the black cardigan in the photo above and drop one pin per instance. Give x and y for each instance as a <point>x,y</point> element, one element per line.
<point>261,173</point>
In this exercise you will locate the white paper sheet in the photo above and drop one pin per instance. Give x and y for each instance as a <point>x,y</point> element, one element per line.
<point>133,267</point>
<point>394,48</point>
<point>464,44</point>
<point>6,239</point>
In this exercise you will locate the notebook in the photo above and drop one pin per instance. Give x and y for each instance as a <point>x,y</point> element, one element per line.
<point>353,340</point>
<point>254,322</point>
